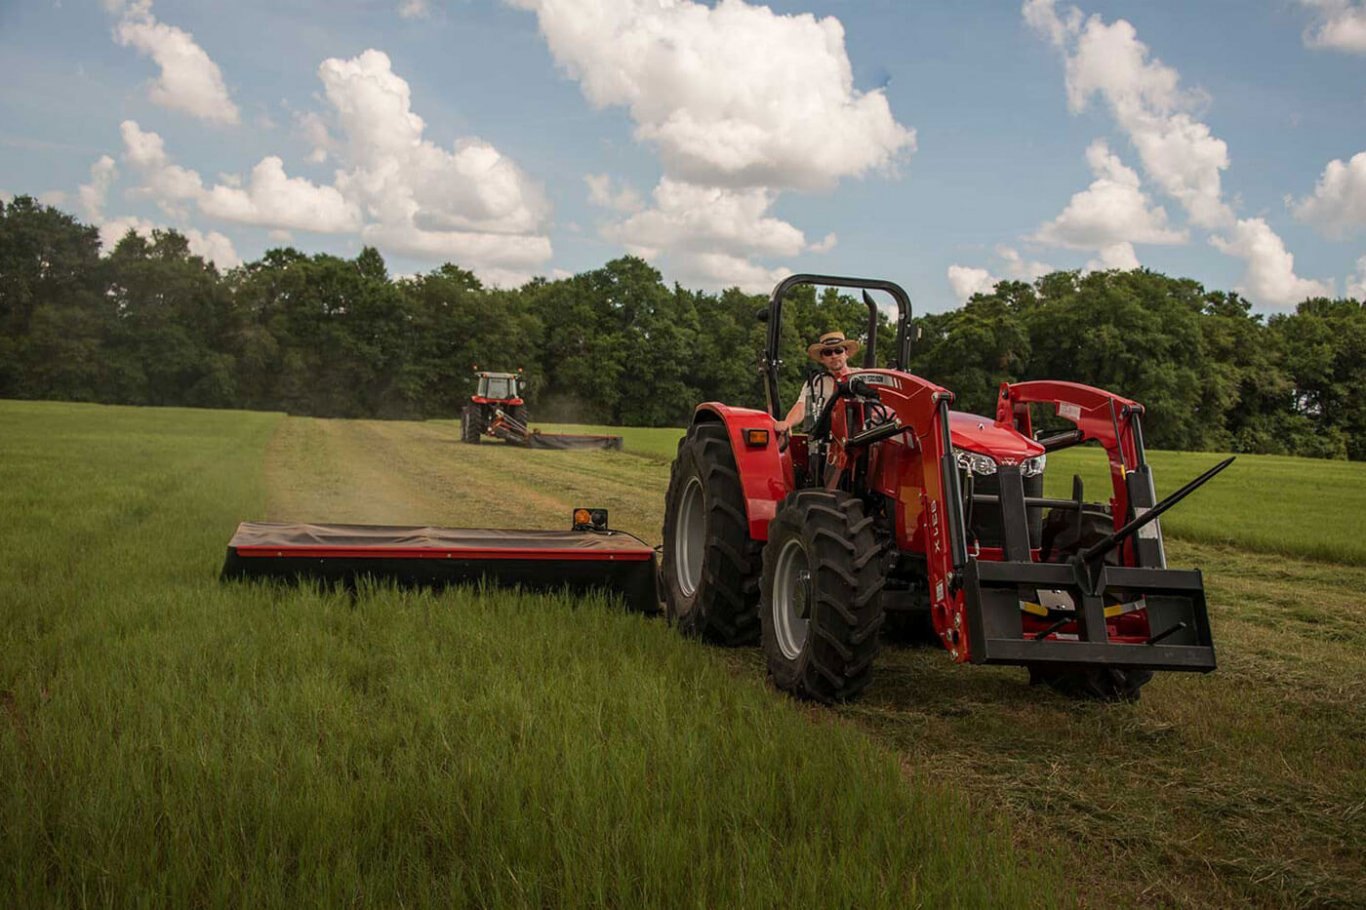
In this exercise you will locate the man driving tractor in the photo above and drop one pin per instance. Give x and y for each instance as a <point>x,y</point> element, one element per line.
<point>832,352</point>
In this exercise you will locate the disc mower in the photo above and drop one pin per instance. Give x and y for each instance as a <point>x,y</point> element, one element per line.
<point>894,506</point>
<point>497,410</point>
<point>586,557</point>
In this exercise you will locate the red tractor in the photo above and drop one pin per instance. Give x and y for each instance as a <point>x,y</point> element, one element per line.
<point>496,410</point>
<point>496,395</point>
<point>895,506</point>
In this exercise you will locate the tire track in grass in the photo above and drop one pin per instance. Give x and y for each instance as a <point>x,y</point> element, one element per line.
<point>393,472</point>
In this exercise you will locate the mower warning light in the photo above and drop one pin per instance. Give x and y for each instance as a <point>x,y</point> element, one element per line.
<point>590,519</point>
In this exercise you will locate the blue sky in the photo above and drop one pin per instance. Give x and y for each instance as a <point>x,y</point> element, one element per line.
<point>941,145</point>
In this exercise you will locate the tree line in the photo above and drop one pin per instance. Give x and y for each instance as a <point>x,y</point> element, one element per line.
<point>151,324</point>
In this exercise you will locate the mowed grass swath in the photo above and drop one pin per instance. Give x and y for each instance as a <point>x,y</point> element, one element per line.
<point>169,740</point>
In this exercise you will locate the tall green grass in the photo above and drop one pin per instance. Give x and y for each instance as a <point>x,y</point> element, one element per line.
<point>170,741</point>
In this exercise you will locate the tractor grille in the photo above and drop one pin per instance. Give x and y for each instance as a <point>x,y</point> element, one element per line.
<point>985,524</point>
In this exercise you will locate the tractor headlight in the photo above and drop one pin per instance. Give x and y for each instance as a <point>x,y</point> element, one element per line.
<point>976,463</point>
<point>1033,467</point>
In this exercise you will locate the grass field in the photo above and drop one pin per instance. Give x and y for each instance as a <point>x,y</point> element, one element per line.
<point>1270,503</point>
<point>169,741</point>
<point>1246,787</point>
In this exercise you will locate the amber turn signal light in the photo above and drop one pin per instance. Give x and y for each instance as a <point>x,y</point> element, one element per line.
<point>590,519</point>
<point>756,438</point>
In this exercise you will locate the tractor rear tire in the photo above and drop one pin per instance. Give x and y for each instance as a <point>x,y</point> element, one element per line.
<point>471,424</point>
<point>1091,683</point>
<point>518,413</point>
<point>821,602</point>
<point>710,563</point>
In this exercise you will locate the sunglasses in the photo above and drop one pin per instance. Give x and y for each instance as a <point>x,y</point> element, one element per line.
<point>831,352</point>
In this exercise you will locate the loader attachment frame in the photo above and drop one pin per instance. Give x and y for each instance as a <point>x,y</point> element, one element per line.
<point>1097,614</point>
<point>1091,630</point>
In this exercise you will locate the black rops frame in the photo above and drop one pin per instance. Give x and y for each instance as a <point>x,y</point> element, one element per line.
<point>771,362</point>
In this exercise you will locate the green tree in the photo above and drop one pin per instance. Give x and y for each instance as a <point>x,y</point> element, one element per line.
<point>1134,333</point>
<point>53,316</point>
<point>173,319</point>
<point>973,350</point>
<point>1325,352</point>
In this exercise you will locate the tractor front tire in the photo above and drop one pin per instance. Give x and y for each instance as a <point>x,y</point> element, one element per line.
<point>471,424</point>
<point>710,563</point>
<point>821,601</point>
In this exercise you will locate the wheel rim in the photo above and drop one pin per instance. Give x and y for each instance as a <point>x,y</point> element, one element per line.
<point>690,538</point>
<point>791,599</point>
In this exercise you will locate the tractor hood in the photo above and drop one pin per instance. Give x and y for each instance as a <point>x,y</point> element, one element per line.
<point>984,436</point>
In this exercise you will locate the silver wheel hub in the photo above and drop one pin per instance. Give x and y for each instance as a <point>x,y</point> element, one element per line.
<point>792,596</point>
<point>690,537</point>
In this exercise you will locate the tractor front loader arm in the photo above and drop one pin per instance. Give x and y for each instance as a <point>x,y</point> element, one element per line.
<point>1110,420</point>
<point>1126,613</point>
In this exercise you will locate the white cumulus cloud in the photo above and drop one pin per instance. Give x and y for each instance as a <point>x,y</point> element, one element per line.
<point>967,280</point>
<point>393,188</point>
<point>703,228</point>
<point>731,94</point>
<point>273,199</point>
<point>697,218</point>
<point>1119,256</point>
<point>1270,277</point>
<point>1338,205</point>
<point>93,194</point>
<point>1356,284</point>
<point>740,103</point>
<point>214,247</point>
<point>1338,25</point>
<point>269,199</point>
<point>1177,151</point>
<point>169,185</point>
<point>717,269</point>
<point>1112,211</point>
<point>189,80</point>
<point>624,198</point>
<point>1022,269</point>
<point>414,190</point>
<point>1108,60</point>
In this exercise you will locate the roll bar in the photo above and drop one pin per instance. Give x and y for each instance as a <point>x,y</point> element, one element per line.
<point>771,362</point>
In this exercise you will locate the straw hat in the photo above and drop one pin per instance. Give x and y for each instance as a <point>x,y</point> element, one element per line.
<point>832,340</point>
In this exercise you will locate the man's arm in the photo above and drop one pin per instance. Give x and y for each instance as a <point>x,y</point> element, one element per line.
<point>798,412</point>
<point>794,416</point>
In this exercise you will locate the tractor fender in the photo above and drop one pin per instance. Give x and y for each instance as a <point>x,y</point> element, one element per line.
<point>765,472</point>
